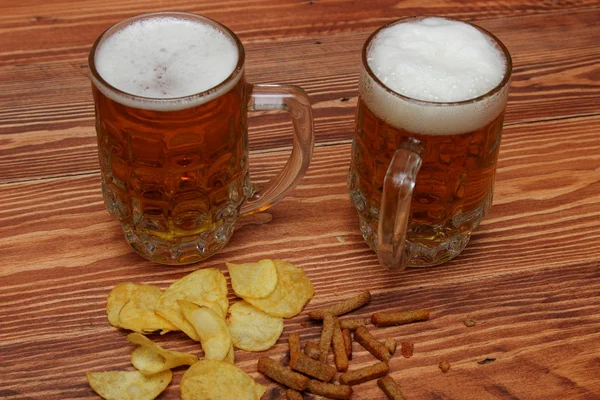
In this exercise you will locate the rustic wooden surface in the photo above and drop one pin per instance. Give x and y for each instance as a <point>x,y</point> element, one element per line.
<point>530,277</point>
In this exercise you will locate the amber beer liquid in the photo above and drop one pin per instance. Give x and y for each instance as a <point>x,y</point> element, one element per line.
<point>422,88</point>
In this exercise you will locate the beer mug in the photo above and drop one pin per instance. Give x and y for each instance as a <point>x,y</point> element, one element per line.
<point>432,98</point>
<point>171,106</point>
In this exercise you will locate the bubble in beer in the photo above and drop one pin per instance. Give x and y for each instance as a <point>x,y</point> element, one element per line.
<point>435,59</point>
<point>166,57</point>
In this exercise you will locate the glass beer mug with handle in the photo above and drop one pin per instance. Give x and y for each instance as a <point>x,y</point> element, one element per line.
<point>432,98</point>
<point>171,106</point>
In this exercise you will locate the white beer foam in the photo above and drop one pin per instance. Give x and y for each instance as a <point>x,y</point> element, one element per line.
<point>166,57</point>
<point>434,60</point>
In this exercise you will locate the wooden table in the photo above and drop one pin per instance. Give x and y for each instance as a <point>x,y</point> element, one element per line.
<point>530,277</point>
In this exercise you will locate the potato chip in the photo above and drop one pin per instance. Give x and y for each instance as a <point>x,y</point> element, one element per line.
<point>211,329</point>
<point>259,391</point>
<point>131,306</point>
<point>256,280</point>
<point>149,358</point>
<point>201,287</point>
<point>252,329</point>
<point>291,294</point>
<point>147,361</point>
<point>213,379</point>
<point>213,306</point>
<point>230,357</point>
<point>128,385</point>
<point>117,298</point>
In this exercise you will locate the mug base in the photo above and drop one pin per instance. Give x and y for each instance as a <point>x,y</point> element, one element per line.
<point>422,253</point>
<point>180,250</point>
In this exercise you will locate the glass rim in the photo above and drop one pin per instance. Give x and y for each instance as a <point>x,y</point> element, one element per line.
<point>97,79</point>
<point>501,85</point>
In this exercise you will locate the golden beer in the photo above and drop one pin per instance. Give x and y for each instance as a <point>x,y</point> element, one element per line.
<point>174,175</point>
<point>457,143</point>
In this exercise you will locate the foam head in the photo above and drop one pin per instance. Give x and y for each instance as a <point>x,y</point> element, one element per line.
<point>164,57</point>
<point>437,65</point>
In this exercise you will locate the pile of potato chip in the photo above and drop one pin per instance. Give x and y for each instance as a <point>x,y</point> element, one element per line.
<point>197,304</point>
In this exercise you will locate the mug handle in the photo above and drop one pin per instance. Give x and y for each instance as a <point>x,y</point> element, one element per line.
<point>394,212</point>
<point>269,97</point>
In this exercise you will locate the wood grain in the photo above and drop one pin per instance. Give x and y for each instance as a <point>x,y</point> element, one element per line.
<point>530,278</point>
<point>329,74</point>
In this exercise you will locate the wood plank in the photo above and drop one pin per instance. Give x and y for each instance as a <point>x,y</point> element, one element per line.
<point>65,127</point>
<point>526,321</point>
<point>58,22</point>
<point>303,61</point>
<point>530,277</point>
<point>547,194</point>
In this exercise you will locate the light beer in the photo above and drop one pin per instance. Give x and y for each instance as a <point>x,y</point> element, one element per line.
<point>437,86</point>
<point>171,108</point>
